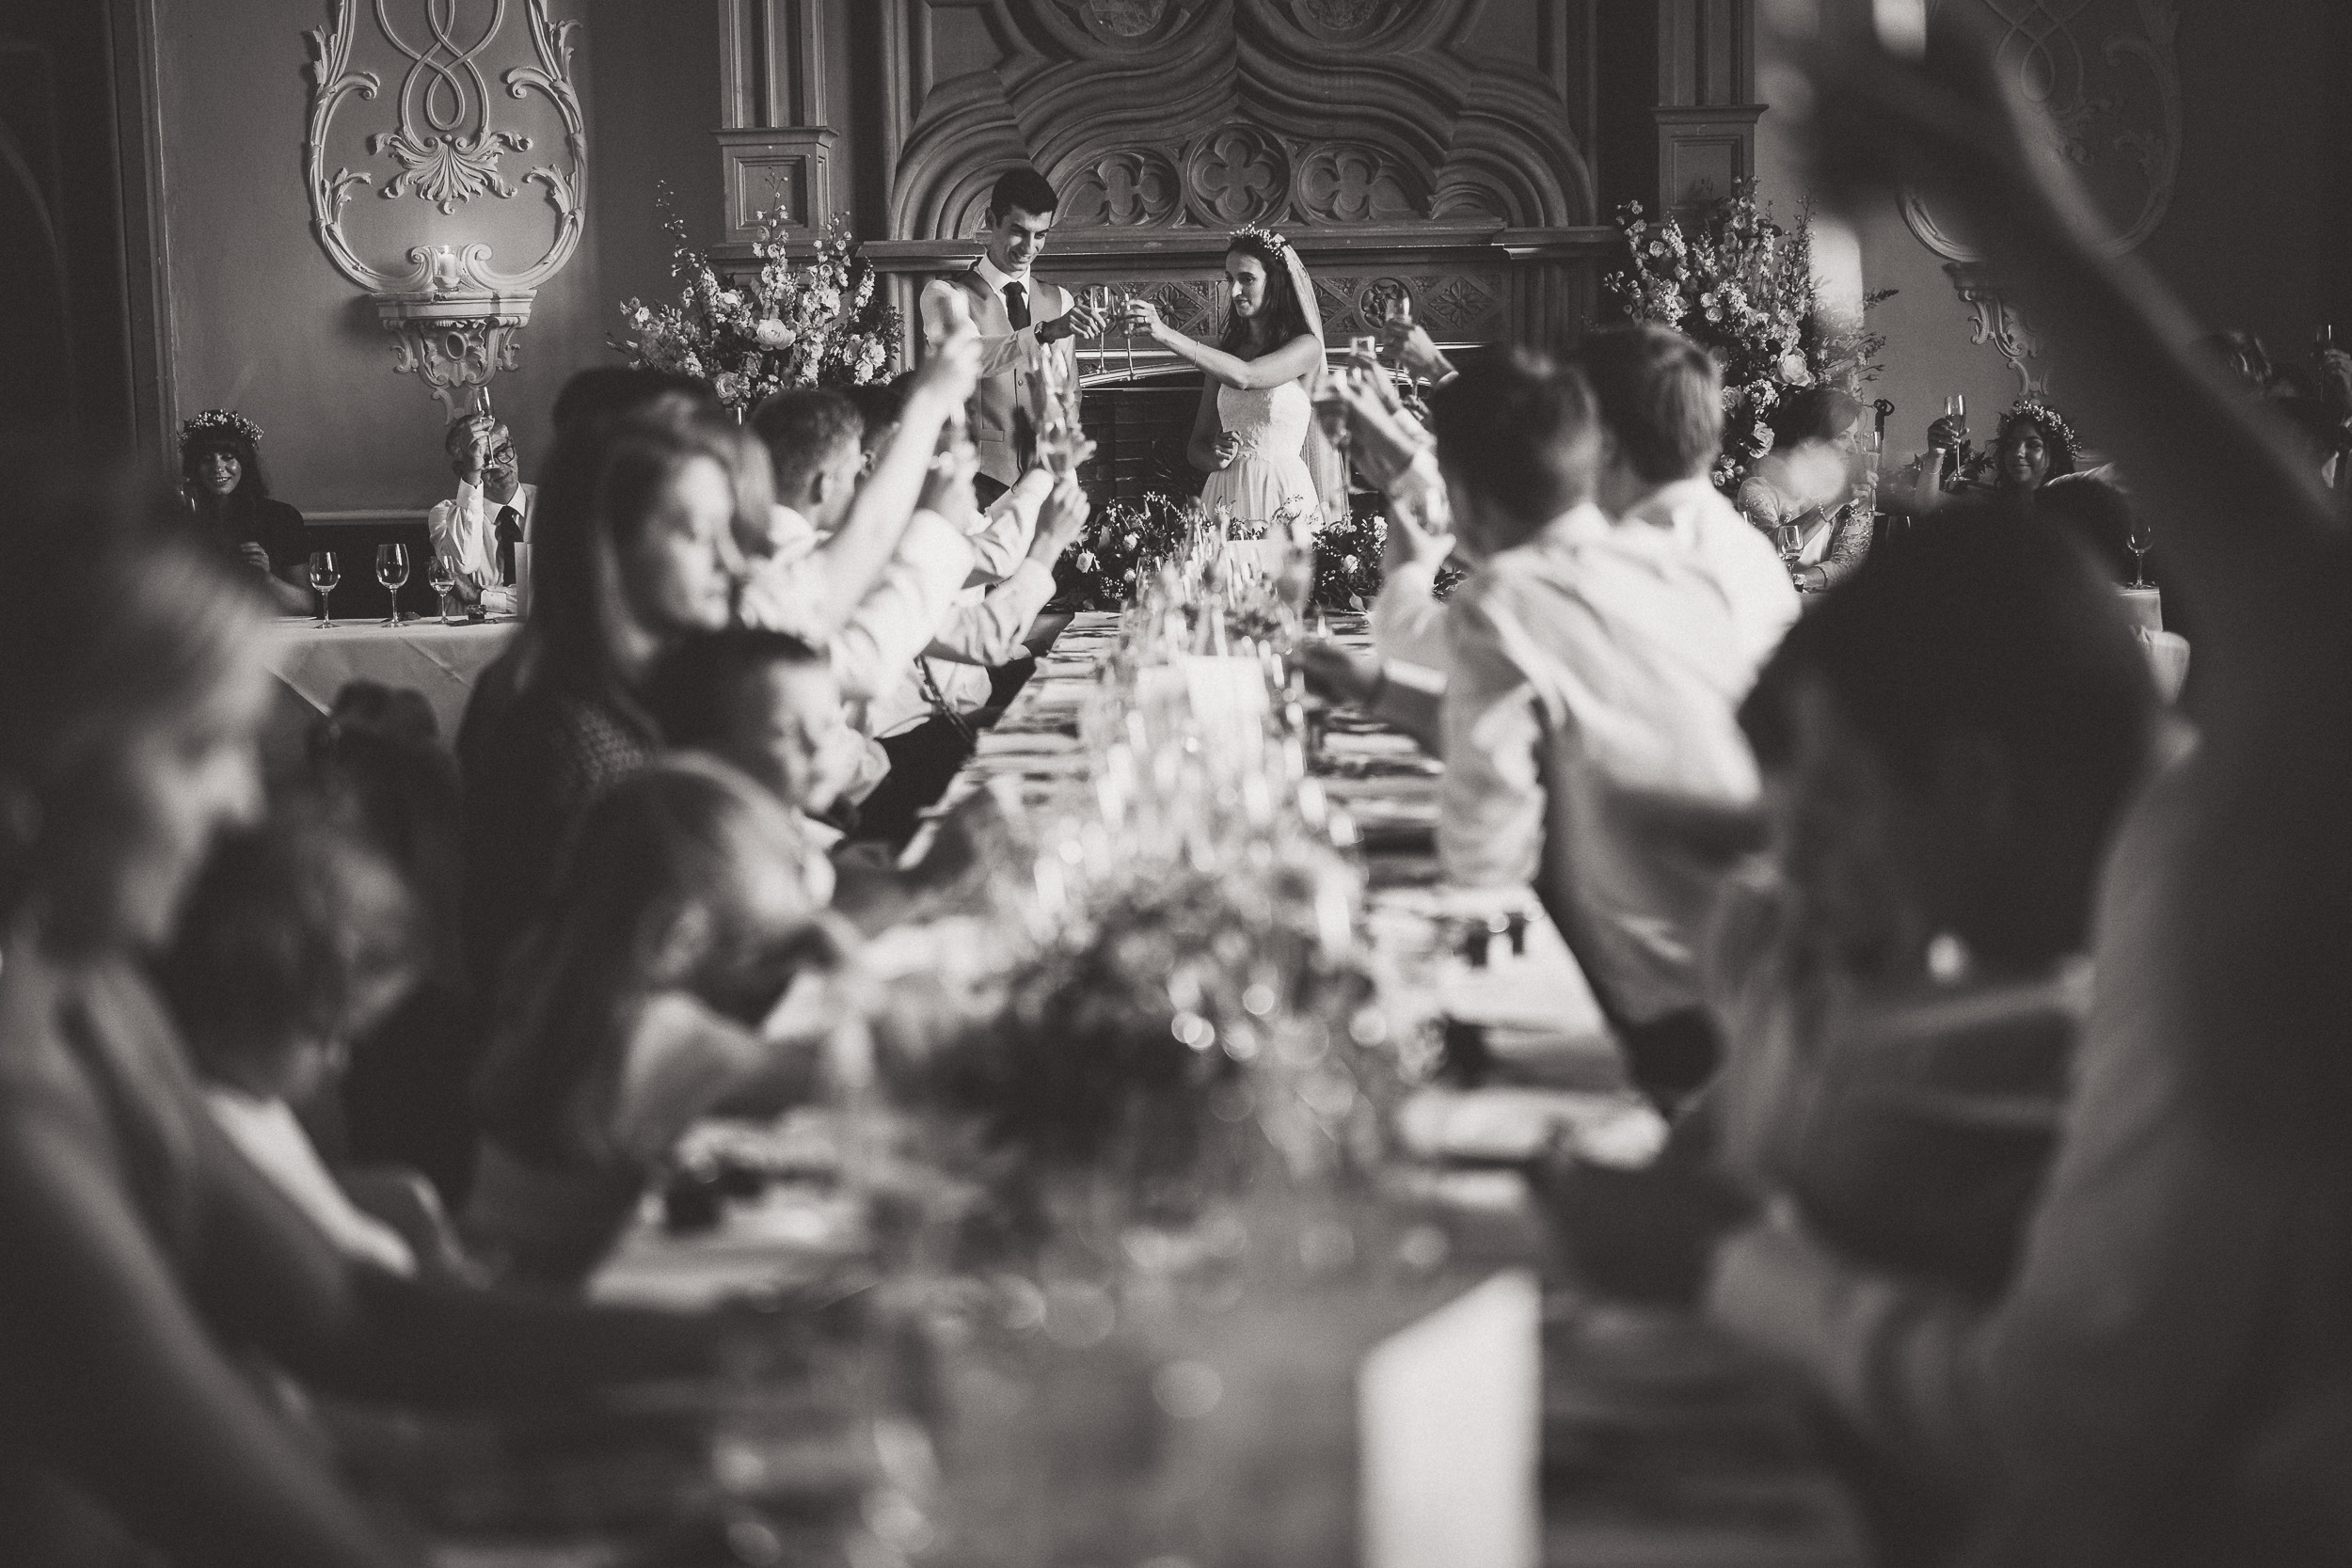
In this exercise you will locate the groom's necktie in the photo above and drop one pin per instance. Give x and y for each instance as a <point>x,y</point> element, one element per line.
<point>509,526</point>
<point>1023,427</point>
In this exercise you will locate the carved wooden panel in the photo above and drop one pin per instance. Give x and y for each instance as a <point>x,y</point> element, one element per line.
<point>1207,114</point>
<point>781,173</point>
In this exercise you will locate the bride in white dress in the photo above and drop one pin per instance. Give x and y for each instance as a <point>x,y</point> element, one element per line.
<point>1256,434</point>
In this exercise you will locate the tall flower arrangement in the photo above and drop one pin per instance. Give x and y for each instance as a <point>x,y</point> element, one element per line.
<point>791,325</point>
<point>1743,288</point>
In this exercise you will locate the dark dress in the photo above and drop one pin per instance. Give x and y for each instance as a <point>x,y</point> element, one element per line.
<point>277,528</point>
<point>530,776</point>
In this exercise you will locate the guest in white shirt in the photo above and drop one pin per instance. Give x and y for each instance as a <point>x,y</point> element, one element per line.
<point>485,532</point>
<point>1587,663</point>
<point>1661,410</point>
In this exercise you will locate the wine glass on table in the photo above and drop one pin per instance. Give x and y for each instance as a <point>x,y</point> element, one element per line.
<point>441,576</point>
<point>2140,542</point>
<point>392,570</point>
<point>325,576</point>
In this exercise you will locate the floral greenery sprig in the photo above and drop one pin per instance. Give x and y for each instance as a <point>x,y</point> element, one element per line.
<point>790,324</point>
<point>1743,288</point>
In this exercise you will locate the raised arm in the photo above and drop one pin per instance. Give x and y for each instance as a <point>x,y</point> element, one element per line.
<point>1287,363</point>
<point>859,550</point>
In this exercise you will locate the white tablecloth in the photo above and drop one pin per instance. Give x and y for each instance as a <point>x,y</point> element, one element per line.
<point>443,662</point>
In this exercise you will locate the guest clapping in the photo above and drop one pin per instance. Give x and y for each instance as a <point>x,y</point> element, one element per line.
<point>220,472</point>
<point>485,532</point>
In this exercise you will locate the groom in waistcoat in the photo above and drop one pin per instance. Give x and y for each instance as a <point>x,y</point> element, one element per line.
<point>1020,321</point>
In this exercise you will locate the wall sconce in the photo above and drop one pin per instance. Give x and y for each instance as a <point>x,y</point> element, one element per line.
<point>457,319</point>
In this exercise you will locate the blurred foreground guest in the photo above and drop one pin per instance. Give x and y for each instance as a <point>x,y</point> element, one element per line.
<point>1949,741</point>
<point>1661,410</point>
<point>681,919</point>
<point>220,472</point>
<point>150,1261</point>
<point>1801,493</point>
<point>379,770</point>
<point>1585,659</point>
<point>639,524</point>
<point>485,532</point>
<point>2167,1377</point>
<point>294,939</point>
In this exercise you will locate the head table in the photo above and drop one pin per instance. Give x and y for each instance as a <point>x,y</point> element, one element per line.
<point>1635,1433</point>
<point>441,662</point>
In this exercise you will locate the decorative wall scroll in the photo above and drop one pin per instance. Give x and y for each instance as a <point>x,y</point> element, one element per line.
<point>2106,75</point>
<point>1208,114</point>
<point>455,314</point>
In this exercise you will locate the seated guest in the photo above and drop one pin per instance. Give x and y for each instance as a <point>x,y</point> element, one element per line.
<point>485,532</point>
<point>2166,1378</point>
<point>974,663</point>
<point>1661,411</point>
<point>1949,741</point>
<point>220,473</point>
<point>294,939</point>
<point>636,552</point>
<point>590,401</point>
<point>1585,659</point>
<point>766,703</point>
<point>152,1265</point>
<point>680,920</point>
<point>379,770</point>
<point>1799,494</point>
<point>2035,445</point>
<point>853,539</point>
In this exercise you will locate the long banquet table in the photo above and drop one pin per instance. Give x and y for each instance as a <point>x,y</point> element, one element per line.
<point>1662,1444</point>
<point>441,662</point>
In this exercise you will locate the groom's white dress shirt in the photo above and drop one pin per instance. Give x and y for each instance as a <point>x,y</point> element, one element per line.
<point>466,530</point>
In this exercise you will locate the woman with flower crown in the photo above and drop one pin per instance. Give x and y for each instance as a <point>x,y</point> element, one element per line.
<point>1256,434</point>
<point>220,474</point>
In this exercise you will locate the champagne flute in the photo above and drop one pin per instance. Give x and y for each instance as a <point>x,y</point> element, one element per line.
<point>441,577</point>
<point>392,570</point>
<point>326,574</point>
<point>1126,331</point>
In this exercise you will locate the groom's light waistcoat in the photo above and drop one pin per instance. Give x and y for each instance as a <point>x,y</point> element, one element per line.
<point>1014,385</point>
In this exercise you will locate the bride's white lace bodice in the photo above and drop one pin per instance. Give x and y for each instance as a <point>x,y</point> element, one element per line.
<point>1271,423</point>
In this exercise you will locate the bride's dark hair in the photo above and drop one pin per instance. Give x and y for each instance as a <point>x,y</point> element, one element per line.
<point>1284,316</point>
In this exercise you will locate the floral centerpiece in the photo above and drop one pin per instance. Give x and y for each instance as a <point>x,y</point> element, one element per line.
<point>789,325</point>
<point>1743,288</point>
<point>1126,542</point>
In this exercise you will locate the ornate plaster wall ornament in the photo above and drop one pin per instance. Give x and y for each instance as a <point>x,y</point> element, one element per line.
<point>2106,76</point>
<point>455,318</point>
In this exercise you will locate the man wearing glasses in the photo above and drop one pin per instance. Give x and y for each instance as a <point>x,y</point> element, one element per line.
<point>485,532</point>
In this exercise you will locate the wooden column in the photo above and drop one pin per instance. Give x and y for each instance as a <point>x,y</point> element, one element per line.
<point>775,140</point>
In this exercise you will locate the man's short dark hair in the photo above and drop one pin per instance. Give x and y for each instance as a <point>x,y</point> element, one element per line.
<point>803,428</point>
<point>1661,396</point>
<point>879,406</point>
<point>1522,431</point>
<point>689,692</point>
<point>1023,188</point>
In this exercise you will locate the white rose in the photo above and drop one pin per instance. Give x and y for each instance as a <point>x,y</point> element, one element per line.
<point>1086,561</point>
<point>1794,370</point>
<point>773,333</point>
<point>1129,542</point>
